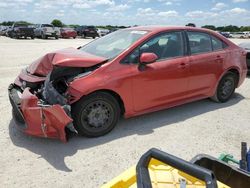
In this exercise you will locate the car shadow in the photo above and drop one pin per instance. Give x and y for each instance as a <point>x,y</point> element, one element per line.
<point>54,151</point>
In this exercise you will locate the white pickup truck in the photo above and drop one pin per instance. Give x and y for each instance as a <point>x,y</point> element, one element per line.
<point>46,30</point>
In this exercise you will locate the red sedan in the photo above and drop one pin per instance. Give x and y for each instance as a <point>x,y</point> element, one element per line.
<point>129,72</point>
<point>68,33</point>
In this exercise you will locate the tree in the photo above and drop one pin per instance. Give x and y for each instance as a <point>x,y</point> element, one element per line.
<point>245,28</point>
<point>211,27</point>
<point>191,25</point>
<point>57,23</point>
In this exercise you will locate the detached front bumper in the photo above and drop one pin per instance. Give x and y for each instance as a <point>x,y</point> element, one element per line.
<point>36,119</point>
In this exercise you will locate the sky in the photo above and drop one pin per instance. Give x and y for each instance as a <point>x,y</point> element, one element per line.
<point>130,12</point>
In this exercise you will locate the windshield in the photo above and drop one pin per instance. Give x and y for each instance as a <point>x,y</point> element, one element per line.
<point>20,25</point>
<point>47,25</point>
<point>113,44</point>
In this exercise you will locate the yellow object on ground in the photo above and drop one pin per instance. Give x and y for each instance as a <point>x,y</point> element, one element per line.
<point>162,176</point>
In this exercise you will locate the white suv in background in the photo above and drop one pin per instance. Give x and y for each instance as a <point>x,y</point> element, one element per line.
<point>242,35</point>
<point>46,30</point>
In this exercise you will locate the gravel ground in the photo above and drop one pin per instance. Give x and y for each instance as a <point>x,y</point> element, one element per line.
<point>187,130</point>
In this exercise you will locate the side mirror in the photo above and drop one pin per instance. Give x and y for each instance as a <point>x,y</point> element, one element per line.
<point>147,58</point>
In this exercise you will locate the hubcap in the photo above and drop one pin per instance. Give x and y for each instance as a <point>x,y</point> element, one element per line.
<point>227,88</point>
<point>98,114</point>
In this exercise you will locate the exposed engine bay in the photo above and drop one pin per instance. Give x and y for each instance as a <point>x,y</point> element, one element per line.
<point>40,95</point>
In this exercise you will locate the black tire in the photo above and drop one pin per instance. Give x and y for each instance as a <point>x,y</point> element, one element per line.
<point>56,37</point>
<point>32,37</point>
<point>226,88</point>
<point>93,37</point>
<point>17,117</point>
<point>84,36</point>
<point>96,114</point>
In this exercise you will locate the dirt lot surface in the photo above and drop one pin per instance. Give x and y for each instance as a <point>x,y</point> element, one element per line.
<point>187,130</point>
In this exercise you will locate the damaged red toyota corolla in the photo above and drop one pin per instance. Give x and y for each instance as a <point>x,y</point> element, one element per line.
<point>129,72</point>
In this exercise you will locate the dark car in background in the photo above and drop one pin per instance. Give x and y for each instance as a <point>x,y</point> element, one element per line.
<point>246,46</point>
<point>87,31</point>
<point>225,34</point>
<point>19,30</point>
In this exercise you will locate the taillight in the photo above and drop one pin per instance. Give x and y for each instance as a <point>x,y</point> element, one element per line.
<point>86,30</point>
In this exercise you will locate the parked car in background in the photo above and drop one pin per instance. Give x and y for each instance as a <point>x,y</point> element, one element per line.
<point>102,32</point>
<point>129,72</point>
<point>225,34</point>
<point>46,30</point>
<point>58,30</point>
<point>68,33</point>
<point>87,31</point>
<point>242,35</point>
<point>3,30</point>
<point>113,30</point>
<point>19,30</point>
<point>246,46</point>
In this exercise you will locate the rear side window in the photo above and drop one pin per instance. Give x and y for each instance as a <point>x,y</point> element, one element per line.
<point>199,42</point>
<point>218,44</point>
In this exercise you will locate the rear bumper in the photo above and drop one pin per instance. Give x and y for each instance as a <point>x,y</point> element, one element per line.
<point>35,119</point>
<point>54,34</point>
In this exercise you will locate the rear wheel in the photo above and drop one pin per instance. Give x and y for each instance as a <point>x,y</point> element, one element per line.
<point>96,115</point>
<point>226,88</point>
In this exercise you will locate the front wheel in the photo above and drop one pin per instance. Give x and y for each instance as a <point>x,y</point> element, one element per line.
<point>96,114</point>
<point>226,88</point>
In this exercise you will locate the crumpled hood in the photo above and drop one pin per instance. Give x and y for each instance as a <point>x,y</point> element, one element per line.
<point>69,57</point>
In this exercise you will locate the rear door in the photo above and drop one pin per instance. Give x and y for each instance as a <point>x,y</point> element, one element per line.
<point>206,63</point>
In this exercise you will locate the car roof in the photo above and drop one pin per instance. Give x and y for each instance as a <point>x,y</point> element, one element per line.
<point>155,28</point>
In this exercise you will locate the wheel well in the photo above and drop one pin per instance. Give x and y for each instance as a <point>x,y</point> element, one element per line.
<point>236,72</point>
<point>117,97</point>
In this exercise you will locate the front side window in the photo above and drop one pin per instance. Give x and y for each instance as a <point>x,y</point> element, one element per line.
<point>168,45</point>
<point>199,42</point>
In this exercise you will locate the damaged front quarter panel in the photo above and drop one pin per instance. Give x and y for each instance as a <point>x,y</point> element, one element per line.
<point>44,96</point>
<point>44,120</point>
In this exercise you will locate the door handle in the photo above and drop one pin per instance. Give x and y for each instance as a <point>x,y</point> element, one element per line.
<point>219,59</point>
<point>182,65</point>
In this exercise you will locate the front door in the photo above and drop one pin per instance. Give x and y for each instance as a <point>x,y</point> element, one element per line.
<point>165,80</point>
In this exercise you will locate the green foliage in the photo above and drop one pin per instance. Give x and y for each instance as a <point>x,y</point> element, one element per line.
<point>191,25</point>
<point>212,27</point>
<point>10,23</point>
<point>229,28</point>
<point>245,28</point>
<point>57,23</point>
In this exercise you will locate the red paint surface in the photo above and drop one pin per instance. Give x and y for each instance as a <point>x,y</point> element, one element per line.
<point>162,84</point>
<point>68,34</point>
<point>55,118</point>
